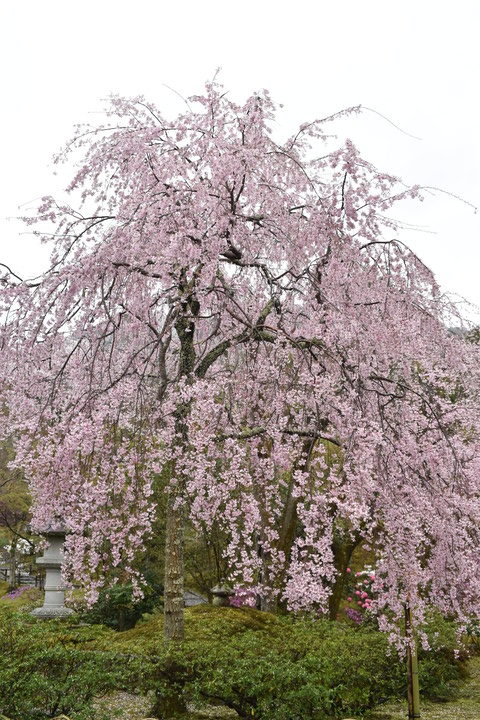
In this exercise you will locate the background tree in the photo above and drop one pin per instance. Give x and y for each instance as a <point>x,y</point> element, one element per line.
<point>15,503</point>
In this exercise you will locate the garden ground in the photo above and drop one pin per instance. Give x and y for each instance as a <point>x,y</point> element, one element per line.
<point>465,707</point>
<point>268,667</point>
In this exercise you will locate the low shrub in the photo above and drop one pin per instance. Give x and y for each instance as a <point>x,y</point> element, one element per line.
<point>442,668</point>
<point>261,665</point>
<point>285,669</point>
<point>43,674</point>
<point>118,608</point>
<point>308,670</point>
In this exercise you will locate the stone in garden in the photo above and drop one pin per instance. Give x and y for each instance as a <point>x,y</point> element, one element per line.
<point>192,598</point>
<point>52,560</point>
<point>221,595</point>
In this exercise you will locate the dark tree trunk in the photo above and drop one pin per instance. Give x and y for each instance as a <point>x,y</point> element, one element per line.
<point>342,553</point>
<point>289,521</point>
<point>13,564</point>
<point>175,522</point>
<point>169,708</point>
<point>121,619</point>
<point>174,572</point>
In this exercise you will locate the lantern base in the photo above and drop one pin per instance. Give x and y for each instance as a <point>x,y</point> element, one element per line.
<point>52,612</point>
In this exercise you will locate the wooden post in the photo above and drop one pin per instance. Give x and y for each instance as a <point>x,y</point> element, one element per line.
<point>413,688</point>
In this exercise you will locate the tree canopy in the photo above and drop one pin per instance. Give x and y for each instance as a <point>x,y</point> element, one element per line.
<point>240,311</point>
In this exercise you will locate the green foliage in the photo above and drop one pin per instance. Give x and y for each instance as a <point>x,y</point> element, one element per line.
<point>119,609</point>
<point>263,666</point>
<point>44,674</point>
<point>269,667</point>
<point>442,668</point>
<point>305,669</point>
<point>15,497</point>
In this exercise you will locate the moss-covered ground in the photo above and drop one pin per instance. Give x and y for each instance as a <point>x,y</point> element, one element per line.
<point>203,624</point>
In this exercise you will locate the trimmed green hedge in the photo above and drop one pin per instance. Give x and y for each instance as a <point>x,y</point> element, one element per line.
<point>44,674</point>
<point>283,668</point>
<point>261,665</point>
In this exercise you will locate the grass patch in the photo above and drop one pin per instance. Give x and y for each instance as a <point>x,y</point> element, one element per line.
<point>24,598</point>
<point>204,624</point>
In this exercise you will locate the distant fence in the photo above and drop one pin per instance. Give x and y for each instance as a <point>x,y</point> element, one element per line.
<point>23,578</point>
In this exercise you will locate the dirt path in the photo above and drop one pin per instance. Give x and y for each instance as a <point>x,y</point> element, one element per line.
<point>467,707</point>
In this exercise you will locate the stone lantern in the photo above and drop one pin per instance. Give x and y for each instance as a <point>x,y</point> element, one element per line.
<point>221,595</point>
<point>52,560</point>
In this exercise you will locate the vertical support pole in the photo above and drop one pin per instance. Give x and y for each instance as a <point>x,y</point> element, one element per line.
<point>413,688</point>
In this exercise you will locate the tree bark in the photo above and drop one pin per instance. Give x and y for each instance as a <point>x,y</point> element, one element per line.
<point>174,631</point>
<point>121,619</point>
<point>342,553</point>
<point>290,519</point>
<point>13,564</point>
<point>174,571</point>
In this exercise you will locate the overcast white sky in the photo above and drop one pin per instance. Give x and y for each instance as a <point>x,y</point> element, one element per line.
<point>416,62</point>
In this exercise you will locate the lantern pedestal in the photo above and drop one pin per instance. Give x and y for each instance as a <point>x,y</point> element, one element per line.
<point>52,560</point>
<point>221,595</point>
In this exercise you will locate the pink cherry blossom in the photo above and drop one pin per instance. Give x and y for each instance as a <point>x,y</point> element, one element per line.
<point>234,314</point>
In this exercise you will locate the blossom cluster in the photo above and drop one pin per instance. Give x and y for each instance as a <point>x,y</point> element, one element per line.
<point>362,592</point>
<point>18,592</point>
<point>243,597</point>
<point>232,321</point>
